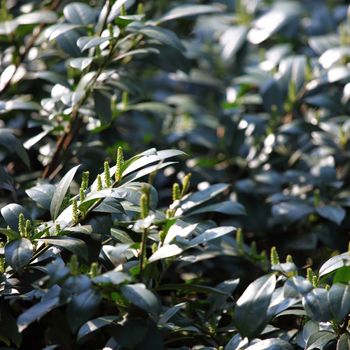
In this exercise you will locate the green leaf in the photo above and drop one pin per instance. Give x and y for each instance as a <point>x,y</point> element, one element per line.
<point>319,340</point>
<point>333,213</point>
<point>79,13</point>
<point>339,301</point>
<point>8,27</point>
<point>189,11</point>
<point>18,253</point>
<point>103,106</point>
<point>48,303</point>
<point>116,254</point>
<point>165,36</point>
<point>166,251</point>
<point>343,342</point>
<point>87,42</point>
<point>80,63</point>
<point>112,277</point>
<point>152,107</point>
<point>11,143</point>
<point>17,104</point>
<point>36,17</point>
<point>56,30</point>
<point>61,190</point>
<point>250,313</point>
<point>271,344</point>
<point>190,288</point>
<point>42,194</point>
<point>148,157</point>
<point>121,236</point>
<point>342,275</point>
<point>82,307</point>
<point>138,295</point>
<point>200,197</point>
<point>67,41</point>
<point>168,314</point>
<point>74,245</point>
<point>334,263</point>
<point>11,213</point>
<point>211,234</point>
<point>145,171</point>
<point>6,181</point>
<point>94,325</point>
<point>225,207</point>
<point>115,10</point>
<point>316,304</point>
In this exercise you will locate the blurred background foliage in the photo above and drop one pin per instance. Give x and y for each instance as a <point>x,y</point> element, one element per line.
<point>255,92</point>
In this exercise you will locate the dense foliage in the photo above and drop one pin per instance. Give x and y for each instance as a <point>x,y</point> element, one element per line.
<point>153,156</point>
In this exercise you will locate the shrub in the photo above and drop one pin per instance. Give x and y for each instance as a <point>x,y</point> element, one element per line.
<point>98,251</point>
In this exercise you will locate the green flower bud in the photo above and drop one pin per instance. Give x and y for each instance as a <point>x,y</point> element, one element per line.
<point>22,225</point>
<point>274,258</point>
<point>185,184</point>
<point>107,174</point>
<point>144,205</point>
<point>28,228</point>
<point>289,259</point>
<point>240,240</point>
<point>99,183</point>
<point>140,9</point>
<point>74,265</point>
<point>119,164</point>
<point>176,194</point>
<point>309,274</point>
<point>93,270</point>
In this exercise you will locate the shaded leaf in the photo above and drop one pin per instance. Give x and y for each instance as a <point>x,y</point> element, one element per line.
<point>316,304</point>
<point>138,295</point>
<point>42,194</point>
<point>94,325</point>
<point>339,301</point>
<point>74,245</point>
<point>37,311</point>
<point>271,344</point>
<point>9,141</point>
<point>56,30</point>
<point>250,313</point>
<point>343,342</point>
<point>332,212</point>
<point>319,340</point>
<point>11,213</point>
<point>79,13</point>
<point>82,307</point>
<point>165,36</point>
<point>18,253</point>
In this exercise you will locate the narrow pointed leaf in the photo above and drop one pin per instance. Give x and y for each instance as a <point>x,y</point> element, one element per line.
<point>61,190</point>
